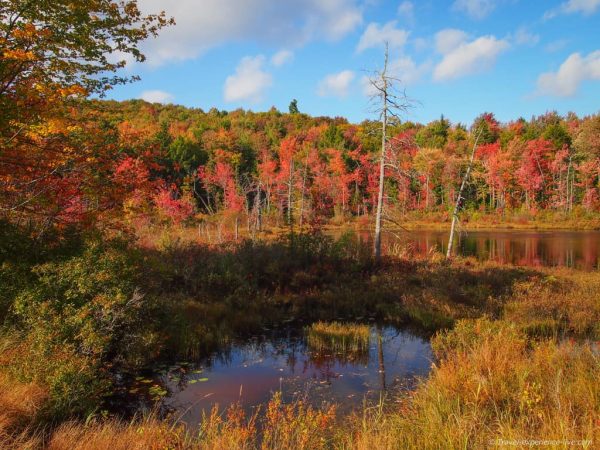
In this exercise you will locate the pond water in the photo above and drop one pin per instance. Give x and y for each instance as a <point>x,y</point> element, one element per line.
<point>320,367</point>
<point>386,360</point>
<point>578,249</point>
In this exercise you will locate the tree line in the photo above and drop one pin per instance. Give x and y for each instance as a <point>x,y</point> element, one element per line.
<point>177,162</point>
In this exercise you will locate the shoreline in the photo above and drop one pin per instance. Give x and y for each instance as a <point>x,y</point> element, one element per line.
<point>414,225</point>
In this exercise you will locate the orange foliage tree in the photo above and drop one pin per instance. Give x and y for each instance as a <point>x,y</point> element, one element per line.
<point>53,53</point>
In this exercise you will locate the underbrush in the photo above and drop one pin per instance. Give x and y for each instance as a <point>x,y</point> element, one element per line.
<point>77,317</point>
<point>492,384</point>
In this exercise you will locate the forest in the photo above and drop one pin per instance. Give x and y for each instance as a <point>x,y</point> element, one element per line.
<point>149,163</point>
<point>139,239</point>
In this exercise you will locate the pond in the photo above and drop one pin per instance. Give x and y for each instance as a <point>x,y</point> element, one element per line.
<point>578,249</point>
<point>346,365</point>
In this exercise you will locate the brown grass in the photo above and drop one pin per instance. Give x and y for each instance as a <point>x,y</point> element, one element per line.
<point>491,384</point>
<point>20,405</point>
<point>338,337</point>
<point>562,302</point>
<point>531,374</point>
<point>114,435</point>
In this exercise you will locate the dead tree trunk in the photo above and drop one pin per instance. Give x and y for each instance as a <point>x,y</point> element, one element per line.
<point>289,195</point>
<point>389,103</point>
<point>303,189</point>
<point>459,197</point>
<point>384,81</point>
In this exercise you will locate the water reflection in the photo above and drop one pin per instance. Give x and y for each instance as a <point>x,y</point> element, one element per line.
<point>299,366</point>
<point>578,249</point>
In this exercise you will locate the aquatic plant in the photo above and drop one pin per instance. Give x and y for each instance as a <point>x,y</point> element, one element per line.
<point>338,337</point>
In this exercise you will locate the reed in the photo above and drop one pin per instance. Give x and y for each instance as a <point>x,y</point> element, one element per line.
<point>338,337</point>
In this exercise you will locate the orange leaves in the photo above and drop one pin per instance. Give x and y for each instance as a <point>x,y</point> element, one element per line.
<point>74,90</point>
<point>19,55</point>
<point>30,31</point>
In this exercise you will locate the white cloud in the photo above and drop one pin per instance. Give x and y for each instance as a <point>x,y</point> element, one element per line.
<point>585,7</point>
<point>407,71</point>
<point>282,57</point>
<point>376,35</point>
<point>448,39</point>
<point>336,84</point>
<point>420,44</point>
<point>249,81</point>
<point>572,72</point>
<point>525,37</point>
<point>476,9</point>
<point>463,58</point>
<point>367,87</point>
<point>404,69</point>
<point>407,10</point>
<point>157,96</point>
<point>204,24</point>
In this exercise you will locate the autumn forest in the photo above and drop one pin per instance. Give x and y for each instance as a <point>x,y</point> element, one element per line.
<point>147,163</point>
<point>188,278</point>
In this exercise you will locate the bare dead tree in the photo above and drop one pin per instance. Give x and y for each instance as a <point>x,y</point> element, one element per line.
<point>290,192</point>
<point>459,197</point>
<point>304,174</point>
<point>390,103</point>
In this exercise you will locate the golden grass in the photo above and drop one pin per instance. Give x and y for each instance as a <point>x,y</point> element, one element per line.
<point>492,384</point>
<point>20,404</point>
<point>514,378</point>
<point>564,301</point>
<point>115,435</point>
<point>338,337</point>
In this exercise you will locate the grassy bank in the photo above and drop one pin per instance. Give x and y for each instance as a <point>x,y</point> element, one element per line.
<point>492,384</point>
<point>478,220</point>
<point>515,346</point>
<point>510,220</point>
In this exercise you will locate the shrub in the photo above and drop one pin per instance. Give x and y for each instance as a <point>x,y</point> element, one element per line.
<point>83,318</point>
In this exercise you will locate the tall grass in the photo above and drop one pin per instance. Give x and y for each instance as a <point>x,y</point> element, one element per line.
<point>338,337</point>
<point>492,384</point>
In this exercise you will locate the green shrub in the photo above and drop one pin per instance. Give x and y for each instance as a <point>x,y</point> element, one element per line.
<point>83,318</point>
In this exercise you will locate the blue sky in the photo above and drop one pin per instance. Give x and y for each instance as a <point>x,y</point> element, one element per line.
<point>456,57</point>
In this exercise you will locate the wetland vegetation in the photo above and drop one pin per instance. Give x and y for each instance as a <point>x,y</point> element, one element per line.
<point>174,278</point>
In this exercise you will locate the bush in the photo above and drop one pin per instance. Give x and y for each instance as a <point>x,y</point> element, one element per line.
<point>83,318</point>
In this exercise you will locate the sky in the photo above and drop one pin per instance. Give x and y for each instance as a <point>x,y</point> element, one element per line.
<point>459,58</point>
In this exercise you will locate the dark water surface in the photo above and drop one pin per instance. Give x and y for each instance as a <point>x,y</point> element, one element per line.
<point>286,360</point>
<point>578,249</point>
<point>251,371</point>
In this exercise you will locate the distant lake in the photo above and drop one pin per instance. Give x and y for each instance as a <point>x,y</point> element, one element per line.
<point>578,249</point>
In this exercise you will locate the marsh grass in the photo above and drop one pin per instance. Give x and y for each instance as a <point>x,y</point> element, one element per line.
<point>338,337</point>
<point>493,382</point>
<point>525,372</point>
<point>557,303</point>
